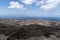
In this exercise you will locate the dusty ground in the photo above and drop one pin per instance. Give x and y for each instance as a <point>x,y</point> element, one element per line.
<point>3,37</point>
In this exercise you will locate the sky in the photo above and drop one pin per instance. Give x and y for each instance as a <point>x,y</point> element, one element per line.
<point>29,8</point>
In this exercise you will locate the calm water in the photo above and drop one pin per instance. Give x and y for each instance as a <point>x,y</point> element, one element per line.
<point>38,18</point>
<point>42,18</point>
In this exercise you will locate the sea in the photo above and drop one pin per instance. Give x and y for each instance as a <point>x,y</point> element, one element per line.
<point>36,18</point>
<point>42,18</point>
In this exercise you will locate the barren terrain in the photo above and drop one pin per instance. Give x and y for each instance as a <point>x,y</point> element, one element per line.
<point>14,29</point>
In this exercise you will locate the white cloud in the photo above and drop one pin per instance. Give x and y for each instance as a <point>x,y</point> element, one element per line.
<point>43,4</point>
<point>17,5</point>
<point>28,2</point>
<point>48,4</point>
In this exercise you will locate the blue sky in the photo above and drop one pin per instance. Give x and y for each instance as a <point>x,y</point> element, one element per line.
<point>29,8</point>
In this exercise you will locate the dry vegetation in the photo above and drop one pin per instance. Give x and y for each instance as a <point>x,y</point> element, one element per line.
<point>14,29</point>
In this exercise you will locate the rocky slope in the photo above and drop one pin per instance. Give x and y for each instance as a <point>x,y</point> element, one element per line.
<point>22,29</point>
<point>19,22</point>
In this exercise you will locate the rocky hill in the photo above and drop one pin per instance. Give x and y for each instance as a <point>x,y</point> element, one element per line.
<point>24,29</point>
<point>19,22</point>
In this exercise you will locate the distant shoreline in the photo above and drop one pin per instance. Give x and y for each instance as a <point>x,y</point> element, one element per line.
<point>35,18</point>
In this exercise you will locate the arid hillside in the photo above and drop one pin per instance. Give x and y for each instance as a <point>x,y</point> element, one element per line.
<point>25,29</point>
<point>19,22</point>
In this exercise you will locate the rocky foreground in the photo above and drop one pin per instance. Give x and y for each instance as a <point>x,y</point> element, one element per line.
<point>18,29</point>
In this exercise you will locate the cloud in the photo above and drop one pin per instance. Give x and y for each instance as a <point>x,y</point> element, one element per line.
<point>17,5</point>
<point>48,4</point>
<point>43,4</point>
<point>28,2</point>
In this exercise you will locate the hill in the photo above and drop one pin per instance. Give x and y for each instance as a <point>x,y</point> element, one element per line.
<point>24,29</point>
